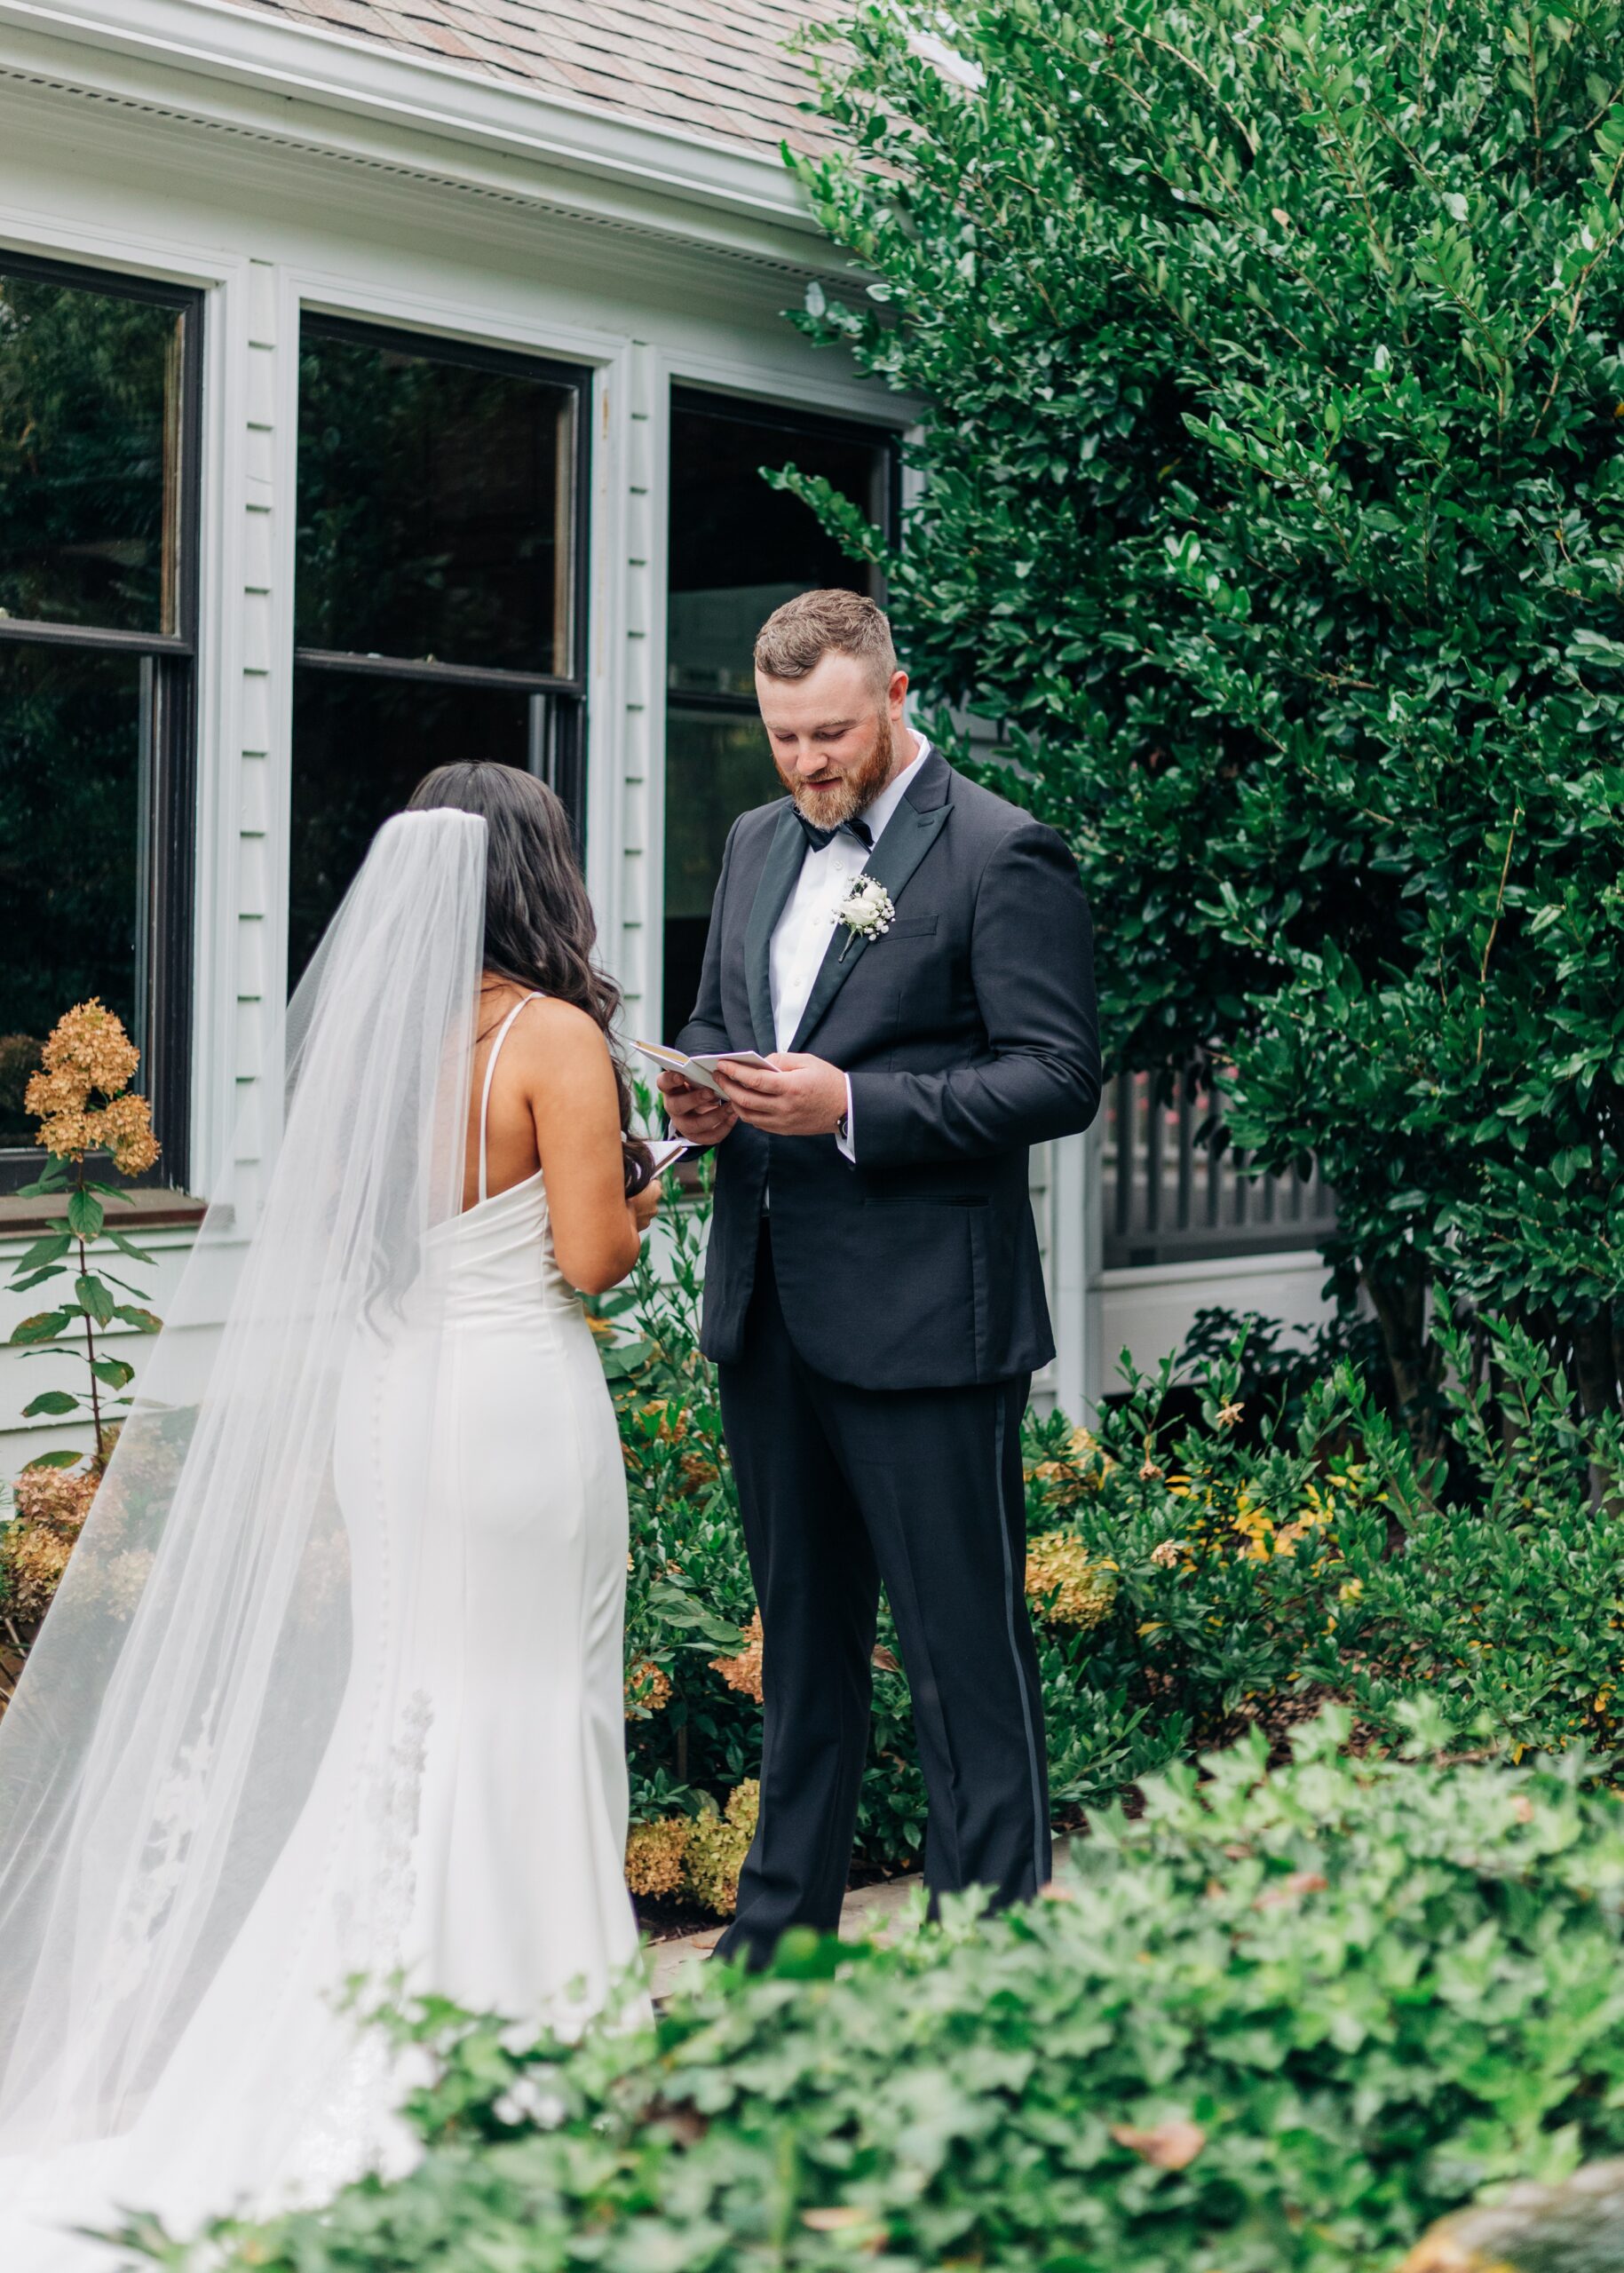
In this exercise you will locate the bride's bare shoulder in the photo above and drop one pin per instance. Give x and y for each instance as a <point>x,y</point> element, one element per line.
<point>558,1039</point>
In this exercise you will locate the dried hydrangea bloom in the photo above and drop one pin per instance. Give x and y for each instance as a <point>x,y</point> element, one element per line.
<point>744,1672</point>
<point>88,1056</point>
<point>648,1688</point>
<point>114,1583</point>
<point>89,1041</point>
<point>125,1127</point>
<point>59,1497</point>
<point>1066,1584</point>
<point>51,1505</point>
<point>716,1847</point>
<point>33,1558</point>
<point>56,1096</point>
<point>655,1854</point>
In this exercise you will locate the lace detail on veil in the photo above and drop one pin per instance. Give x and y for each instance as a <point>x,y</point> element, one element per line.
<point>352,2125</point>
<point>176,1815</point>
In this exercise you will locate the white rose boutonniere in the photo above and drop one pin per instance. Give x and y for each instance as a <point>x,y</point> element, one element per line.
<point>865,911</point>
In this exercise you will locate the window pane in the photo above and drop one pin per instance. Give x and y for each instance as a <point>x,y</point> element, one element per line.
<point>718,765</point>
<point>90,390</point>
<point>360,746</point>
<point>739,548</point>
<point>434,507</point>
<point>70,768</point>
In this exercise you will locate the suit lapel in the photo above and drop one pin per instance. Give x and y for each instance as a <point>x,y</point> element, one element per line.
<point>777,880</point>
<point>907,838</point>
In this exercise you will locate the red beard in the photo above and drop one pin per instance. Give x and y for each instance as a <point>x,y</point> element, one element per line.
<point>828,803</point>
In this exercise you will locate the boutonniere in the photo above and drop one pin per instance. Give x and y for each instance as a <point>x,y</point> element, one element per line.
<point>865,911</point>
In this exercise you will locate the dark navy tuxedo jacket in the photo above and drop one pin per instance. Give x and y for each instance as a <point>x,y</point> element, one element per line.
<point>970,1034</point>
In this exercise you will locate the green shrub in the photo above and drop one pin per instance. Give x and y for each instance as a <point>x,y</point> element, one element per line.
<point>1237,1566</point>
<point>1276,2026</point>
<point>1268,365</point>
<point>1320,1553</point>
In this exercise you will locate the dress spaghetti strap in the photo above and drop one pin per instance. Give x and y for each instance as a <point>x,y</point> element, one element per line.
<point>490,1069</point>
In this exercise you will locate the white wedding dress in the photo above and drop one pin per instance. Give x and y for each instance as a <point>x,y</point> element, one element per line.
<point>463,1821</point>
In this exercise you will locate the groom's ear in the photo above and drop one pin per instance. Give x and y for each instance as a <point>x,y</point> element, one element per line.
<point>896,695</point>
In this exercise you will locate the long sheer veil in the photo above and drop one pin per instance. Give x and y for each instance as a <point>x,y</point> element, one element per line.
<point>210,1660</point>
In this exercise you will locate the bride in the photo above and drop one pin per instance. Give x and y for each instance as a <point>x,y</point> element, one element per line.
<point>332,1687</point>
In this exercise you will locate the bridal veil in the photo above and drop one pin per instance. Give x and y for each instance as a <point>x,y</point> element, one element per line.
<point>216,1675</point>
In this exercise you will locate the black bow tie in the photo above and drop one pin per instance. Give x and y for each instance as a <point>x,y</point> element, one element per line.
<point>819,837</point>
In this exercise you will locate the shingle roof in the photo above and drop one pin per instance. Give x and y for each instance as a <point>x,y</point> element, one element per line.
<point>717,68</point>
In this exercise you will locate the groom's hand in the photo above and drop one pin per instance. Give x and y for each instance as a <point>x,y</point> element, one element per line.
<point>793,1094</point>
<point>696,1113</point>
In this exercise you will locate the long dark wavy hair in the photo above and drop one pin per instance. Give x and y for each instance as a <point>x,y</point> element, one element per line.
<point>539,928</point>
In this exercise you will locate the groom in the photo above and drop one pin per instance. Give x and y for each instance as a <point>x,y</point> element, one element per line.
<point>874,1296</point>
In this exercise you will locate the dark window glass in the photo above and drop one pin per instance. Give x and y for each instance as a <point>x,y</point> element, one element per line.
<point>99,403</point>
<point>434,506</point>
<point>439,496</point>
<point>739,548</point>
<point>360,745</point>
<point>90,384</point>
<point>736,549</point>
<point>716,767</point>
<point>71,730</point>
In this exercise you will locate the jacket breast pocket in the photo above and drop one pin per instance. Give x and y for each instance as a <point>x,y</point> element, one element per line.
<point>910,927</point>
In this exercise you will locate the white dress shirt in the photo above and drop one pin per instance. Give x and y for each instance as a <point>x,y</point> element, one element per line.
<point>802,934</point>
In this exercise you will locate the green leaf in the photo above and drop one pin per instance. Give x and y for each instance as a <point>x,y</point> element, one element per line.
<point>49,1249</point>
<point>52,1401</point>
<point>86,1215</point>
<point>44,1325</point>
<point>144,1321</point>
<point>679,1608</point>
<point>628,1357</point>
<point>55,1459</point>
<point>37,1278</point>
<point>113,1279</point>
<point>50,1181</point>
<point>126,1245</point>
<point>94,1298</point>
<point>114,1371</point>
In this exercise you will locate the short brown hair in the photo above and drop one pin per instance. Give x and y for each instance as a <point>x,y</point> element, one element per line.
<point>795,638</point>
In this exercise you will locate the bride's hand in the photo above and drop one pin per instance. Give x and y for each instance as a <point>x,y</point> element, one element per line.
<point>644,1206</point>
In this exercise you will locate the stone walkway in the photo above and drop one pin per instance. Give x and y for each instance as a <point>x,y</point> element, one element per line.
<point>865,1911</point>
<point>866,1908</point>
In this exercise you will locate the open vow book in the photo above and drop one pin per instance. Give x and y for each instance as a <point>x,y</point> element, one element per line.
<point>701,1070</point>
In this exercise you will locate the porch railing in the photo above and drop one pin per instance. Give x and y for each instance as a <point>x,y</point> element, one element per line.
<point>1172,1196</point>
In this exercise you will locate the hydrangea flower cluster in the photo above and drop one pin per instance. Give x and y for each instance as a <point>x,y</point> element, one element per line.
<point>81,1097</point>
<point>50,1508</point>
<point>744,1672</point>
<point>1066,1584</point>
<point>699,1855</point>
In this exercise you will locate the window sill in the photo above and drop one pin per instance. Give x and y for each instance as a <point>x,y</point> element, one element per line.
<point>150,1208</point>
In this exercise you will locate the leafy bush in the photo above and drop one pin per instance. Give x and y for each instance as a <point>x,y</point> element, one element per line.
<point>1271,373</point>
<point>1276,2026</point>
<point>1283,1543</point>
<point>1320,1553</point>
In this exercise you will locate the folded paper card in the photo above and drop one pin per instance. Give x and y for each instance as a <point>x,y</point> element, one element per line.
<point>664,1151</point>
<point>701,1069</point>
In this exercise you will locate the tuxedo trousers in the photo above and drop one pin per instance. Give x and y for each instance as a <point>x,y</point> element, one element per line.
<point>843,1489</point>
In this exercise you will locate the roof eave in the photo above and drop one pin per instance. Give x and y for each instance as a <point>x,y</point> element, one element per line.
<point>368,80</point>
